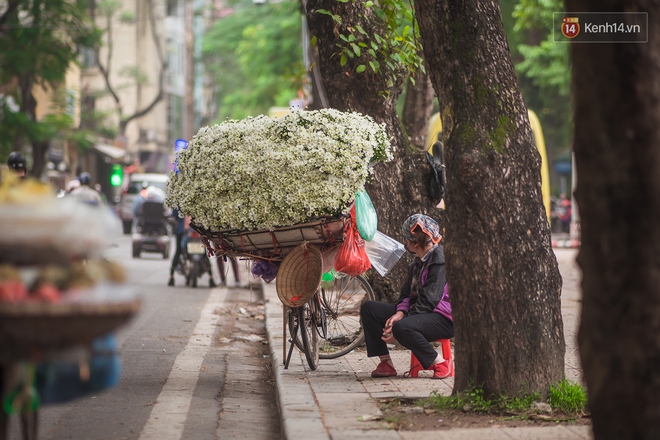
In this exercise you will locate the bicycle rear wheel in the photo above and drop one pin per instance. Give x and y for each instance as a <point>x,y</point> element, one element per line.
<point>342,301</point>
<point>309,336</point>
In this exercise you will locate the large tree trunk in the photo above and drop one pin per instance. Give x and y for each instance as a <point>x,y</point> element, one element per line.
<point>616,89</point>
<point>505,283</point>
<point>397,189</point>
<point>417,109</point>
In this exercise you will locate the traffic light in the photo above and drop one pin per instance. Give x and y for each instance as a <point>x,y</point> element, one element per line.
<point>117,175</point>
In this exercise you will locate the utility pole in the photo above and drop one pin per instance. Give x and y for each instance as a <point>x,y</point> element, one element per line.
<point>189,93</point>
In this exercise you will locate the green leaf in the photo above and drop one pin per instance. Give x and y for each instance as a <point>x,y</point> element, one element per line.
<point>336,18</point>
<point>373,66</point>
<point>343,60</point>
<point>313,41</point>
<point>361,68</point>
<point>360,30</point>
<point>356,49</point>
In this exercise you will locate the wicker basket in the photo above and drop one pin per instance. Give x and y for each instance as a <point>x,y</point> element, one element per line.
<point>299,275</point>
<point>29,330</point>
<point>274,244</point>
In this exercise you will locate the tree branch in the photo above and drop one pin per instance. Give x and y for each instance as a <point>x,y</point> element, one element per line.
<point>12,7</point>
<point>105,71</point>
<point>161,77</point>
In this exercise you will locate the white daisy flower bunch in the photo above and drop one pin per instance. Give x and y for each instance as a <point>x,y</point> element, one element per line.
<point>262,173</point>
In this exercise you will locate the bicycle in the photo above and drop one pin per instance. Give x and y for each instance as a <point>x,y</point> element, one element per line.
<point>332,314</point>
<point>313,309</point>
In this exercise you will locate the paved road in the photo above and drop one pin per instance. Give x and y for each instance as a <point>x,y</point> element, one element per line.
<point>195,366</point>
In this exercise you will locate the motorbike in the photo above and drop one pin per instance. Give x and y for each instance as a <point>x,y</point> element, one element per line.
<point>194,261</point>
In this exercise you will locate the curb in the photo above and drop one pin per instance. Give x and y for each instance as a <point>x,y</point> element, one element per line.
<point>299,411</point>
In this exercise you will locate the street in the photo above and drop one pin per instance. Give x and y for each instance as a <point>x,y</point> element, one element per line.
<point>195,366</point>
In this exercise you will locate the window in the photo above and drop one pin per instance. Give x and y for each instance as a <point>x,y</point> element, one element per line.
<point>172,8</point>
<point>174,118</point>
<point>87,57</point>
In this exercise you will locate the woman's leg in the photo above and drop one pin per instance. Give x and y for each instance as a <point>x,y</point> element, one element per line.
<point>374,315</point>
<point>414,332</point>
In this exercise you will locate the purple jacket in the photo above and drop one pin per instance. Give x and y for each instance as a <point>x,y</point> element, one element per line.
<point>434,295</point>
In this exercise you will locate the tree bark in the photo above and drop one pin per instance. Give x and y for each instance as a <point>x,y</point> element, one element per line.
<point>397,188</point>
<point>505,283</point>
<point>616,89</point>
<point>417,109</point>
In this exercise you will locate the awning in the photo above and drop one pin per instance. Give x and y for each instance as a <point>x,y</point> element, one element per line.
<point>109,150</point>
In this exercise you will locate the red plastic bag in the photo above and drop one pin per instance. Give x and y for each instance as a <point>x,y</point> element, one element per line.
<point>352,258</point>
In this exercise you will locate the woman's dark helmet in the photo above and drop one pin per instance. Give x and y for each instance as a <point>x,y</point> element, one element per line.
<point>17,161</point>
<point>85,179</point>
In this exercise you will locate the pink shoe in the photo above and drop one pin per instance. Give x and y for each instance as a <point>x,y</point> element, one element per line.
<point>443,369</point>
<point>384,369</point>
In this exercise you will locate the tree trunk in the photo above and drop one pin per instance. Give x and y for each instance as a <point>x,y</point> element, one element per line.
<point>616,89</point>
<point>505,283</point>
<point>397,189</point>
<point>417,109</point>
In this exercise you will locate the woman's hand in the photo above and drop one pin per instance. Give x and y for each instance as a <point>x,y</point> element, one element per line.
<point>387,332</point>
<point>398,316</point>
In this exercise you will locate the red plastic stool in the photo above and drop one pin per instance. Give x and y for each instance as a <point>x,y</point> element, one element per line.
<point>416,366</point>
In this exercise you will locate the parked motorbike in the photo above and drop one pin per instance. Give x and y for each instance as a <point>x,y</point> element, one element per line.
<point>194,261</point>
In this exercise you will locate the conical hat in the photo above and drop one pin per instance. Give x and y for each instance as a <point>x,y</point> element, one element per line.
<point>299,275</point>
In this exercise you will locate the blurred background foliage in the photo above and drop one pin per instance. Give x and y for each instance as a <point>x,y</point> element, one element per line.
<point>254,55</point>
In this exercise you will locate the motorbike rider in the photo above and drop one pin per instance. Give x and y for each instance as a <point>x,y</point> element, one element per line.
<point>148,194</point>
<point>84,193</point>
<point>17,163</point>
<point>179,230</point>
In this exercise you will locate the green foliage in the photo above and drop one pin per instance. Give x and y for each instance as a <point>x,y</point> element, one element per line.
<point>255,56</point>
<point>135,74</point>
<point>473,399</point>
<point>39,40</point>
<point>400,45</point>
<point>127,17</point>
<point>544,69</point>
<point>547,66</point>
<point>568,397</point>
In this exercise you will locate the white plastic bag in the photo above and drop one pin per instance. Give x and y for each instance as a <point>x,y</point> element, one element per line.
<point>215,270</point>
<point>384,252</point>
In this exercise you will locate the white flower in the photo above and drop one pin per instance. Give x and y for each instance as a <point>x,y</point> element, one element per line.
<point>261,173</point>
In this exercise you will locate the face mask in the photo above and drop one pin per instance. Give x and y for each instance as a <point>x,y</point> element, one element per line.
<point>408,248</point>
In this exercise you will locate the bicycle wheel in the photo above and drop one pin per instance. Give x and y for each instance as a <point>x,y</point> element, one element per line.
<point>342,301</point>
<point>308,335</point>
<point>319,317</point>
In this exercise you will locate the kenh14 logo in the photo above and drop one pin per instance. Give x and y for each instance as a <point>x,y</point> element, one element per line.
<point>570,27</point>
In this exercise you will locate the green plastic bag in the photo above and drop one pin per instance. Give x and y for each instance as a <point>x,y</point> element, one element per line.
<point>366,217</point>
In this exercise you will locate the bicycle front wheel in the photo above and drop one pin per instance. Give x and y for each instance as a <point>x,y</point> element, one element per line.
<point>308,335</point>
<point>342,301</point>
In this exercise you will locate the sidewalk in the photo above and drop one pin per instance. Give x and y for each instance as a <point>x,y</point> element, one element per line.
<point>327,403</point>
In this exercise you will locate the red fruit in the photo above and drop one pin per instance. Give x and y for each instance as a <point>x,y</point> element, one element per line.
<point>12,291</point>
<point>47,292</point>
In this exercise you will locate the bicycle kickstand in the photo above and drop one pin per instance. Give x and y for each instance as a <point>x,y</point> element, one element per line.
<point>291,344</point>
